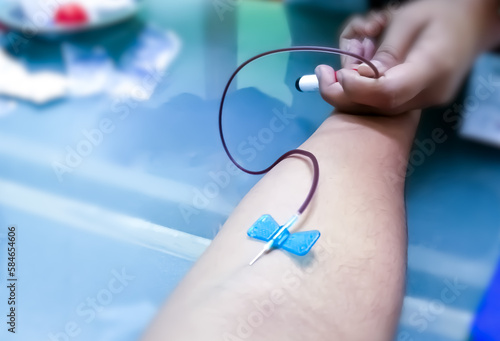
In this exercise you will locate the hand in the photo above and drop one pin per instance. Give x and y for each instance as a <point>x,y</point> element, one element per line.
<point>422,50</point>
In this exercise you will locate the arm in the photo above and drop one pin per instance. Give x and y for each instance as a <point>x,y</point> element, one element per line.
<point>351,285</point>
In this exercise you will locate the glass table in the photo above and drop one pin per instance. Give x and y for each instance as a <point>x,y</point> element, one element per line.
<point>102,243</point>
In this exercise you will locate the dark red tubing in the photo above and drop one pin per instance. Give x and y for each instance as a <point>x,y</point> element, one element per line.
<point>305,153</point>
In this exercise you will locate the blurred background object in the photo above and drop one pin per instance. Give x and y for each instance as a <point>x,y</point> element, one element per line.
<point>482,112</point>
<point>112,166</point>
<point>345,6</point>
<point>64,16</point>
<point>86,70</point>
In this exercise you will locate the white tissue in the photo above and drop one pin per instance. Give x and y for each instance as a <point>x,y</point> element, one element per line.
<point>145,63</point>
<point>89,72</point>
<point>38,87</point>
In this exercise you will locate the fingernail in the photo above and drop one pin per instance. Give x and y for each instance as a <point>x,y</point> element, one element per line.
<point>367,71</point>
<point>319,70</point>
<point>348,46</point>
<point>362,66</point>
<point>365,42</point>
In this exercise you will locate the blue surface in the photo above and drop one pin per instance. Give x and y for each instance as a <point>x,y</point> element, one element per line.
<point>150,197</point>
<point>487,322</point>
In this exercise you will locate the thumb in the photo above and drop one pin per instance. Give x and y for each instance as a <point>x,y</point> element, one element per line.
<point>326,76</point>
<point>329,88</point>
<point>397,41</point>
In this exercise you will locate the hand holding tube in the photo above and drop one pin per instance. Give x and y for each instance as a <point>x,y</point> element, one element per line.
<point>423,51</point>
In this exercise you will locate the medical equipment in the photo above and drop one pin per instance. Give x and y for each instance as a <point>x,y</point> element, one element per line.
<point>266,228</point>
<point>309,83</point>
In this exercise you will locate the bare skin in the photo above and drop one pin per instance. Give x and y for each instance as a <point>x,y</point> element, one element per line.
<point>349,287</point>
<point>423,50</point>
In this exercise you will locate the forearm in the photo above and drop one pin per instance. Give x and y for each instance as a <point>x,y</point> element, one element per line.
<point>350,287</point>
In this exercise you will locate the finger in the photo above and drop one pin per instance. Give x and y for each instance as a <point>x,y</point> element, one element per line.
<point>408,100</point>
<point>332,92</point>
<point>364,48</point>
<point>368,48</point>
<point>326,76</point>
<point>399,85</point>
<point>395,44</point>
<point>329,87</point>
<point>355,28</point>
<point>353,36</point>
<point>375,23</point>
<point>335,96</point>
<point>361,27</point>
<point>426,65</point>
<point>354,46</point>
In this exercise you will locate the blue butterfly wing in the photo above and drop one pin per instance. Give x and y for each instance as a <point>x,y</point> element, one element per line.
<point>301,242</point>
<point>264,228</point>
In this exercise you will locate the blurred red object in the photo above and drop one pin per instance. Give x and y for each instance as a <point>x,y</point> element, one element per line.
<point>71,14</point>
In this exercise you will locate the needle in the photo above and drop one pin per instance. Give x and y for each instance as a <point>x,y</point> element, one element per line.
<point>269,245</point>
<point>266,248</point>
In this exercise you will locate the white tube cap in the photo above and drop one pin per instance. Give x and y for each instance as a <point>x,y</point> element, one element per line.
<point>307,83</point>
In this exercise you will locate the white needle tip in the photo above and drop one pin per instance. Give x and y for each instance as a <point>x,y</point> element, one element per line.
<point>261,253</point>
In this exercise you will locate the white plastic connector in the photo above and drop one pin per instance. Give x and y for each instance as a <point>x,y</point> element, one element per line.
<point>307,83</point>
